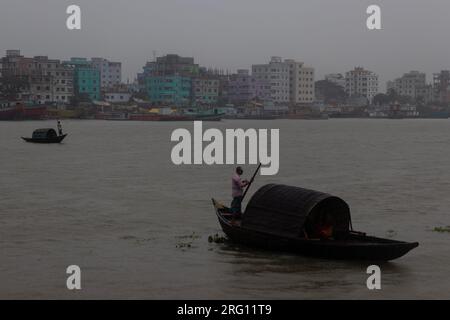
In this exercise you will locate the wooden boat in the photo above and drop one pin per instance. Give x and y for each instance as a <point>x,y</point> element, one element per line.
<point>285,218</point>
<point>45,136</point>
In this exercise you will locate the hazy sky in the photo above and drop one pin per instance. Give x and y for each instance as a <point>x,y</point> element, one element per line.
<point>330,35</point>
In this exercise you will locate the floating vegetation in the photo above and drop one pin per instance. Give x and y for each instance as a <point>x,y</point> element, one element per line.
<point>217,239</point>
<point>183,245</point>
<point>187,240</point>
<point>442,229</point>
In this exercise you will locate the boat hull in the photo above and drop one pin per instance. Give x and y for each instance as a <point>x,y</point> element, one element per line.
<point>174,117</point>
<point>356,247</point>
<point>23,113</point>
<point>57,139</point>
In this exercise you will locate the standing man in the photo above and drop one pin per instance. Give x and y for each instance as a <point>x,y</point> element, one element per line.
<point>59,128</point>
<point>237,191</point>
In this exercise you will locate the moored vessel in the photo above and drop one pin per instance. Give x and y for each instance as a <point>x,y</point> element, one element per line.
<point>18,111</point>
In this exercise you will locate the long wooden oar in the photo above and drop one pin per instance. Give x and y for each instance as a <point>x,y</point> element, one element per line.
<point>251,181</point>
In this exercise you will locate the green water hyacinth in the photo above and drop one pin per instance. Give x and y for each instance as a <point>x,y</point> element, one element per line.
<point>442,229</point>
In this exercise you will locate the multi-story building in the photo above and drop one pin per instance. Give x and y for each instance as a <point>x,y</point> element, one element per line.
<point>243,87</point>
<point>277,74</point>
<point>205,91</point>
<point>110,72</point>
<point>14,64</point>
<point>16,72</point>
<point>43,80</point>
<point>223,89</point>
<point>441,86</point>
<point>173,64</point>
<point>169,90</point>
<point>168,80</point>
<point>361,83</point>
<point>301,83</point>
<point>169,65</point>
<point>86,78</point>
<point>63,88</point>
<point>411,84</point>
<point>289,81</point>
<point>425,94</point>
<point>51,81</point>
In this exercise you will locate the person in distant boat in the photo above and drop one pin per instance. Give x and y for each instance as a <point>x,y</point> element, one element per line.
<point>237,191</point>
<point>326,229</point>
<point>60,132</point>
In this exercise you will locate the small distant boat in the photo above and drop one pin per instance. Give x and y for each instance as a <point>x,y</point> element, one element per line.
<point>287,218</point>
<point>47,135</point>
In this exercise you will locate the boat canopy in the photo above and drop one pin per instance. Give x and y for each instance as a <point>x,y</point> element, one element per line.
<point>291,211</point>
<point>44,133</point>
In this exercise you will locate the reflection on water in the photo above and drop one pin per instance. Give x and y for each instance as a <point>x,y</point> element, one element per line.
<point>306,275</point>
<point>110,200</point>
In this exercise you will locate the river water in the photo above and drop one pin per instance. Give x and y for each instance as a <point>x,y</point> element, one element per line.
<point>110,200</point>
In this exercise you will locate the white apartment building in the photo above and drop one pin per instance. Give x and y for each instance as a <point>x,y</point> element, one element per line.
<point>362,83</point>
<point>276,73</point>
<point>110,72</point>
<point>289,81</point>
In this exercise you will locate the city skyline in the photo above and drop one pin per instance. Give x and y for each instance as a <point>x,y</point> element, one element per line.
<point>202,29</point>
<point>383,86</point>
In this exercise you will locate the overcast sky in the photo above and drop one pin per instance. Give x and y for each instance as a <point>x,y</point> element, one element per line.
<point>330,35</point>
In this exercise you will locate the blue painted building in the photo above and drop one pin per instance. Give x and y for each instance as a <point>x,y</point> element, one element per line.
<point>86,78</point>
<point>169,90</point>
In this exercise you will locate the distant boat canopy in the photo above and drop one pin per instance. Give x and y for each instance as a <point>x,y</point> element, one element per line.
<point>44,134</point>
<point>292,211</point>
